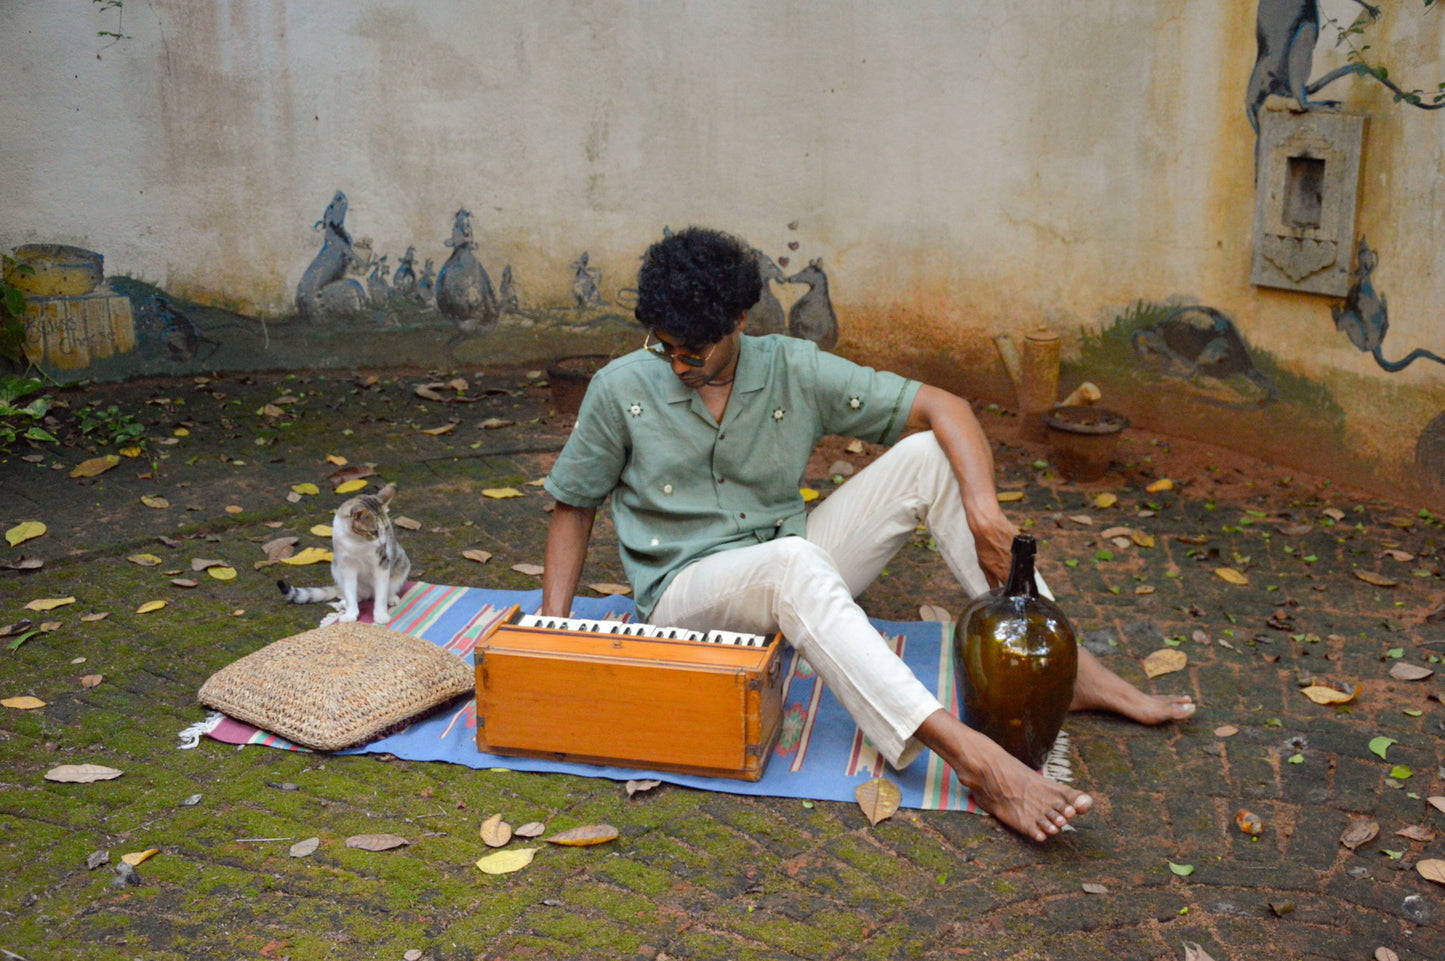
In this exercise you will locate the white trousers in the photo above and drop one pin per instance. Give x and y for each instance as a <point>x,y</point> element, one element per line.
<point>805,587</point>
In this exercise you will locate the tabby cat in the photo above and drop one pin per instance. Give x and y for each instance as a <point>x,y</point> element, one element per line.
<point>366,559</point>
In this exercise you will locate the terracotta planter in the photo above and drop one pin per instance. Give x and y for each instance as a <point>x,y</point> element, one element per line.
<point>568,379</point>
<point>1083,440</point>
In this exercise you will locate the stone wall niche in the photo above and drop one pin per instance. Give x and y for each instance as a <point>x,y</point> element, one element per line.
<point>1306,189</point>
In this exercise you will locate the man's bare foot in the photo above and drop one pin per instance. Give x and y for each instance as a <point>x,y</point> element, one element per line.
<point>1099,689</point>
<point>1019,797</point>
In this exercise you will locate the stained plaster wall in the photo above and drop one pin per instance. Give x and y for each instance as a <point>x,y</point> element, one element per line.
<point>963,169</point>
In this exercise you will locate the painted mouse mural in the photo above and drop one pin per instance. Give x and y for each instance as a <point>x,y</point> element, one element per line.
<point>325,290</point>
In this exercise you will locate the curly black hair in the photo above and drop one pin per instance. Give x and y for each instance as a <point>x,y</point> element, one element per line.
<point>695,284</point>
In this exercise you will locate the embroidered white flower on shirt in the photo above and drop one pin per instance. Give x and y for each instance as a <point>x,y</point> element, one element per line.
<point>855,402</point>
<point>778,414</point>
<point>654,542</point>
<point>635,409</point>
<point>667,488</point>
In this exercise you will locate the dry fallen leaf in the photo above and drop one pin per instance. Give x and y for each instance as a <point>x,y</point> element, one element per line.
<point>808,494</point>
<point>92,680</point>
<point>1397,555</point>
<point>1193,952</point>
<point>95,466</point>
<point>932,612</point>
<point>1437,802</point>
<point>501,493</point>
<point>23,703</point>
<point>1165,661</point>
<point>304,848</point>
<point>89,618</point>
<point>505,862</point>
<point>49,603</point>
<point>349,486</point>
<point>1008,497</point>
<point>531,829</point>
<point>1333,513</point>
<point>446,428</point>
<point>306,488</point>
<point>311,555</point>
<point>139,857</point>
<point>603,587</point>
<point>584,836</point>
<point>1226,730</point>
<point>222,573</point>
<point>496,832</point>
<point>878,798</point>
<point>1106,500</point>
<point>1142,539</point>
<point>1432,869</point>
<point>635,787</point>
<point>1163,484</point>
<point>24,531</point>
<point>532,569</point>
<point>149,606</point>
<point>1327,694</point>
<point>1358,832</point>
<point>144,560</point>
<point>406,523</point>
<point>1417,832</point>
<point>351,473</point>
<point>1231,575</point>
<point>495,423</point>
<point>376,842</point>
<point>1404,671</point>
<point>81,773</point>
<point>1379,580</point>
<point>1092,888</point>
<point>1385,954</point>
<point>1295,530</point>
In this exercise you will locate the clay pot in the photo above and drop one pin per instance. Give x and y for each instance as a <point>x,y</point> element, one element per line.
<point>568,379</point>
<point>56,270</point>
<point>1082,440</point>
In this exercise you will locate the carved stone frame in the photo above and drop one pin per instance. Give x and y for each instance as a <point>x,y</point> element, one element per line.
<point>1313,258</point>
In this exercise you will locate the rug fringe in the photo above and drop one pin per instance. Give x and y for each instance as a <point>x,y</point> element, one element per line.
<point>192,735</point>
<point>1057,766</point>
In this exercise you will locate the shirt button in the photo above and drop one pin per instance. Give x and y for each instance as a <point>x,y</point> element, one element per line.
<point>742,515</point>
<point>722,480</point>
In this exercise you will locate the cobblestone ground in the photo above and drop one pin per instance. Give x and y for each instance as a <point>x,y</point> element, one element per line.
<point>1339,588</point>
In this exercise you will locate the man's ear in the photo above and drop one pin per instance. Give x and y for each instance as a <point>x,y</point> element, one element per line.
<point>742,322</point>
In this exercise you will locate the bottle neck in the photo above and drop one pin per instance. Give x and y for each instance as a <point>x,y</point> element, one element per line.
<point>1021,582</point>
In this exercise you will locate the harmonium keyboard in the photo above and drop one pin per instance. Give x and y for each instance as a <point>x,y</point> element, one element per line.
<point>630,695</point>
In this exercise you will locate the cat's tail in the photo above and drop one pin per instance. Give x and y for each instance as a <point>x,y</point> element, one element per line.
<point>308,595</point>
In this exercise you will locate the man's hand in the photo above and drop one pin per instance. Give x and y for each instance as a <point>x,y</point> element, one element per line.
<point>993,542</point>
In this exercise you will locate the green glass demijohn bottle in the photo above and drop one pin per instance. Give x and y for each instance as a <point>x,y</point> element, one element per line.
<point>1017,660</point>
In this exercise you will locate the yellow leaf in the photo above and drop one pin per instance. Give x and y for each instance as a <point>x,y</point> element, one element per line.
<point>152,500</point>
<point>505,862</point>
<point>438,431</point>
<point>25,703</point>
<point>49,603</point>
<point>879,799</point>
<point>351,485</point>
<point>94,466</point>
<point>481,557</point>
<point>1323,694</point>
<point>606,588</point>
<point>584,836</point>
<point>1165,661</point>
<point>307,488</point>
<point>1105,500</point>
<point>1005,497</point>
<point>222,573</point>
<point>809,495</point>
<point>322,530</point>
<point>24,531</point>
<point>149,606</point>
<point>501,493</point>
<point>92,680</point>
<point>311,555</point>
<point>144,560</point>
<point>131,452</point>
<point>1142,539</point>
<point>336,459</point>
<point>496,832</point>
<point>139,857</point>
<point>1231,575</point>
<point>1163,484</point>
<point>181,432</point>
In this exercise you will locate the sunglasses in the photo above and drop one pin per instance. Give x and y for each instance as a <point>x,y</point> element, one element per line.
<point>670,353</point>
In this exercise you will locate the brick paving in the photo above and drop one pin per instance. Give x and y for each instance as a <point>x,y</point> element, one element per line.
<point>693,874</point>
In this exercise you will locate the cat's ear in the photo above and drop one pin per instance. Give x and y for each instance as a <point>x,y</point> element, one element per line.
<point>387,493</point>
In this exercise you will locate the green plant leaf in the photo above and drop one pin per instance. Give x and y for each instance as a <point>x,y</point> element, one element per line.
<point>1183,870</point>
<point>1381,744</point>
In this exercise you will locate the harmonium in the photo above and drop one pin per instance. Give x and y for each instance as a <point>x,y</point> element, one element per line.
<point>631,695</point>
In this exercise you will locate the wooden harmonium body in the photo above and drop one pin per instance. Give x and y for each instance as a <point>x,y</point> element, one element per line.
<point>631,695</point>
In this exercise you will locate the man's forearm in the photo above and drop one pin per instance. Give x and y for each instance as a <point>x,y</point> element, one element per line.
<point>567,537</point>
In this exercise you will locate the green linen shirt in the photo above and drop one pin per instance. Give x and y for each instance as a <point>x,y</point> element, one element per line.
<point>684,486</point>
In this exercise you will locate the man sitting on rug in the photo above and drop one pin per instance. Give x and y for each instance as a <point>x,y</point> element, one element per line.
<point>702,439</point>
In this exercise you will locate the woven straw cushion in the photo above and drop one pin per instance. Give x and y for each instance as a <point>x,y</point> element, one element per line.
<point>337,686</point>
